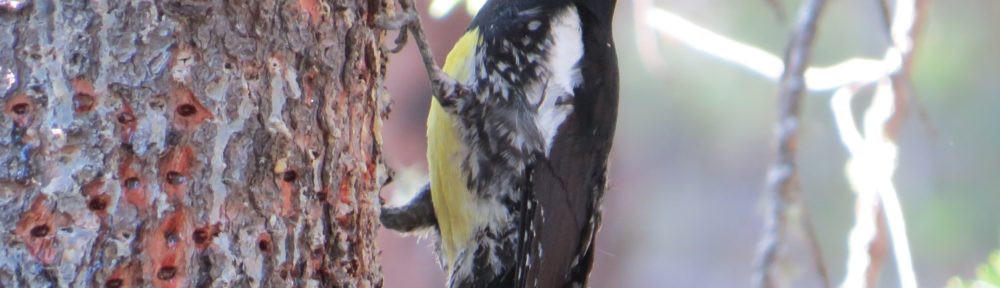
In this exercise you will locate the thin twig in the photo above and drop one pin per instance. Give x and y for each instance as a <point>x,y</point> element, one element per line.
<point>783,179</point>
<point>907,22</point>
<point>819,262</point>
<point>778,8</point>
<point>886,16</point>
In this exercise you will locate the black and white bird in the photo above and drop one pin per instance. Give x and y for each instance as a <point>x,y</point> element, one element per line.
<point>518,165</point>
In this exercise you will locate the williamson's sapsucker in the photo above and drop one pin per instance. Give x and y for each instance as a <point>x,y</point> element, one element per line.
<point>518,169</point>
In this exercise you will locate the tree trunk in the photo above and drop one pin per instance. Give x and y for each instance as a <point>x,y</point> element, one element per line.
<point>190,143</point>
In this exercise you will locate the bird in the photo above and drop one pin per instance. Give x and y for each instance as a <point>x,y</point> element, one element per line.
<point>518,153</point>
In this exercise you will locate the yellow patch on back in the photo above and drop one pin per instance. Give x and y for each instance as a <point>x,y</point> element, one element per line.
<point>449,192</point>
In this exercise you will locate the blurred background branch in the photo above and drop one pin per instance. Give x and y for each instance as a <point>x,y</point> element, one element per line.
<point>787,213</point>
<point>873,159</point>
<point>757,60</point>
<point>870,171</point>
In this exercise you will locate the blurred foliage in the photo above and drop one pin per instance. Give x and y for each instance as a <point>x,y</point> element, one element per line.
<point>988,275</point>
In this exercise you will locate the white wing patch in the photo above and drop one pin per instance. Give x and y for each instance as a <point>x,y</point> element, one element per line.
<point>566,52</point>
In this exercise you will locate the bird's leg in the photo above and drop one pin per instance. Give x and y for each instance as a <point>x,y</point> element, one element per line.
<point>449,93</point>
<point>416,215</point>
<point>398,22</point>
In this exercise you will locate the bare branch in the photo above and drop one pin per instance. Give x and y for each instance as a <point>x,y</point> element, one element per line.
<point>764,63</point>
<point>906,23</point>
<point>886,16</point>
<point>783,179</point>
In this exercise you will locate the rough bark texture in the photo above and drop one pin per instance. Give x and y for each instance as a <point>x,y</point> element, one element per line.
<point>190,143</point>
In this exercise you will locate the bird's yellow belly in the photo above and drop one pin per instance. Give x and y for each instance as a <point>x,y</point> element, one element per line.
<point>449,191</point>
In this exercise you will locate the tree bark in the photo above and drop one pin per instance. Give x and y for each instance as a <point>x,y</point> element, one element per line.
<point>190,143</point>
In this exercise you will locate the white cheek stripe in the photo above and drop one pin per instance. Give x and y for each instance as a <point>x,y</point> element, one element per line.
<point>566,52</point>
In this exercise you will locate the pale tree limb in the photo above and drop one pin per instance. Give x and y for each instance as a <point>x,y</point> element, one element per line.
<point>648,47</point>
<point>863,259</point>
<point>874,155</point>
<point>869,170</point>
<point>907,20</point>
<point>757,60</point>
<point>786,209</point>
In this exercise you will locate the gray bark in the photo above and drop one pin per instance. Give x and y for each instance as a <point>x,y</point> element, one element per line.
<point>193,143</point>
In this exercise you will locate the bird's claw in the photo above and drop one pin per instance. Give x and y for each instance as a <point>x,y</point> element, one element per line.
<point>401,22</point>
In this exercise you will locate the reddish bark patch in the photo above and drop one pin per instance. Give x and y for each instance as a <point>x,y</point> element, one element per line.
<point>203,236</point>
<point>283,273</point>
<point>312,8</point>
<point>167,250</point>
<point>289,176</point>
<point>285,180</point>
<point>345,189</point>
<point>370,172</point>
<point>200,236</point>
<point>135,192</point>
<point>84,98</point>
<point>127,123</point>
<point>94,187</point>
<point>175,168</point>
<point>344,197</point>
<point>19,108</point>
<point>125,117</point>
<point>120,277</point>
<point>40,230</point>
<point>166,272</point>
<point>321,195</point>
<point>99,204</point>
<point>264,243</point>
<point>97,200</point>
<point>315,263</point>
<point>36,229</point>
<point>304,139</point>
<point>287,190</point>
<point>114,283</point>
<point>189,113</point>
<point>309,79</point>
